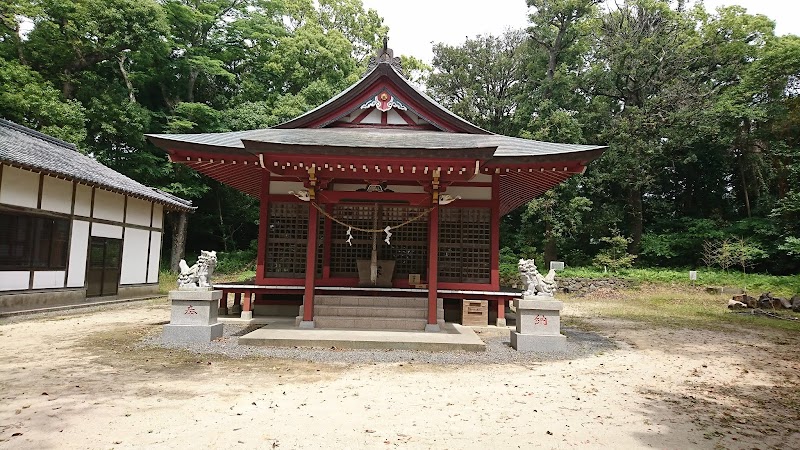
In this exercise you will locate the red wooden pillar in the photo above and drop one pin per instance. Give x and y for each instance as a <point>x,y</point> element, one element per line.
<point>495,227</point>
<point>223,304</point>
<point>237,303</point>
<point>311,268</point>
<point>247,305</point>
<point>501,312</point>
<point>433,269</point>
<point>263,229</point>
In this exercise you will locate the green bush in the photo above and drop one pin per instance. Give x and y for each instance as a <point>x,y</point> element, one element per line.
<point>236,261</point>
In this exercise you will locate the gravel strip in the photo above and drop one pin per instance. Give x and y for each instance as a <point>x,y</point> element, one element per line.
<point>580,344</point>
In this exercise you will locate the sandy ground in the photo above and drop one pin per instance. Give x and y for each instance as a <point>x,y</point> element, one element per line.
<point>80,382</point>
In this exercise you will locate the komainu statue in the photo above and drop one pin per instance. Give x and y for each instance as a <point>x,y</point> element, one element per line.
<point>199,275</point>
<point>534,282</point>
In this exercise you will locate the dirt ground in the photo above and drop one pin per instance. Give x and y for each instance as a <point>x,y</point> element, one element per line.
<point>80,382</point>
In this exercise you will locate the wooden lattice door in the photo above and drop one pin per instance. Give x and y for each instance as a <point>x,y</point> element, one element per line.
<point>287,240</point>
<point>465,245</point>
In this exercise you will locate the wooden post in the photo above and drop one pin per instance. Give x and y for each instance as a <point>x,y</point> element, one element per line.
<point>223,303</point>
<point>247,305</point>
<point>263,227</point>
<point>433,269</point>
<point>501,312</point>
<point>311,268</point>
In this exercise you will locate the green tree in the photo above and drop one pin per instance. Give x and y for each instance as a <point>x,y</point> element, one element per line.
<point>482,79</point>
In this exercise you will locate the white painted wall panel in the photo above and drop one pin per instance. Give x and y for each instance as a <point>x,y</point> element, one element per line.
<point>158,216</point>
<point>14,281</point>
<point>470,193</point>
<point>134,256</point>
<point>48,279</point>
<point>373,117</point>
<point>155,257</point>
<point>393,118</point>
<point>79,244</point>
<point>108,205</point>
<point>138,212</point>
<point>107,231</point>
<point>283,187</point>
<point>56,195</point>
<point>83,200</point>
<point>481,178</point>
<point>19,187</point>
<point>394,187</point>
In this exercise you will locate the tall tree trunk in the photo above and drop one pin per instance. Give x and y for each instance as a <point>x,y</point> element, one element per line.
<point>179,226</point>
<point>636,218</point>
<point>550,248</point>
<point>193,74</point>
<point>222,224</point>
<point>744,191</point>
<point>121,62</point>
<point>67,87</point>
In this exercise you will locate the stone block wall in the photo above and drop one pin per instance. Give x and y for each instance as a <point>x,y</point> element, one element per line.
<point>581,286</point>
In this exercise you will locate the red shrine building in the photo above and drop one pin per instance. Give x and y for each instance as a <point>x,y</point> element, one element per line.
<point>379,204</point>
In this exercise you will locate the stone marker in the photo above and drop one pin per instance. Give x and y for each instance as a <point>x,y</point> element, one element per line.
<point>194,315</point>
<point>538,313</point>
<point>538,325</point>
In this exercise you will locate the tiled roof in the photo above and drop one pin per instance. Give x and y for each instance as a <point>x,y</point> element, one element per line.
<point>21,146</point>
<point>382,138</point>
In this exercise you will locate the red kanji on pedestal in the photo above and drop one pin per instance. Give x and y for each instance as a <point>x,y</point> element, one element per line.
<point>190,310</point>
<point>540,320</point>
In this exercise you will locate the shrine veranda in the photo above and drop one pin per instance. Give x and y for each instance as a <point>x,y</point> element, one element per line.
<point>379,154</point>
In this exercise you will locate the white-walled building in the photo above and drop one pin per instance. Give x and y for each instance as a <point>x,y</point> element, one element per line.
<point>72,229</point>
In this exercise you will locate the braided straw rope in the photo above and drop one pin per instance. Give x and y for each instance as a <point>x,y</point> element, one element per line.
<point>370,230</point>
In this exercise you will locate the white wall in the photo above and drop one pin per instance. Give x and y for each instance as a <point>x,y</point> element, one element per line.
<point>13,281</point>
<point>78,247</point>
<point>138,212</point>
<point>155,257</point>
<point>283,187</point>
<point>48,279</point>
<point>19,187</point>
<point>56,195</point>
<point>158,215</point>
<point>83,200</point>
<point>394,187</point>
<point>107,231</point>
<point>470,193</point>
<point>108,205</point>
<point>134,256</point>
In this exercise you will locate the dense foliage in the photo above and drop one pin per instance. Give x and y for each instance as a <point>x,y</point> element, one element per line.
<point>102,73</point>
<point>700,110</point>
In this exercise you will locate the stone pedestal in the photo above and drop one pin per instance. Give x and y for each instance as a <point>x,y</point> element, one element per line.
<point>194,316</point>
<point>538,325</point>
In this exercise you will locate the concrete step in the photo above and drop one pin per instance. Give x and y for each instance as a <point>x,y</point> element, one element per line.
<point>352,300</point>
<point>395,312</point>
<point>369,323</point>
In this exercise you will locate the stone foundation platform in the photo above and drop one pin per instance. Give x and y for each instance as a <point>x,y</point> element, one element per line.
<point>193,317</point>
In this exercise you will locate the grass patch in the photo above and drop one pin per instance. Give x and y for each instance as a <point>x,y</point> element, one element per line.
<point>168,280</point>
<point>755,283</point>
<point>674,308</point>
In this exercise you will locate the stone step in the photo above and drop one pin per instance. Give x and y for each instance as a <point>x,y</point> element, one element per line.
<point>399,312</point>
<point>369,323</point>
<point>352,300</point>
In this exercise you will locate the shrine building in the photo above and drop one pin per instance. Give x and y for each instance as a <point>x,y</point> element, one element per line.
<point>379,205</point>
<point>73,231</point>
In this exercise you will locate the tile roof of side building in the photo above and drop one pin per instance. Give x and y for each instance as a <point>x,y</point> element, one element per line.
<point>23,147</point>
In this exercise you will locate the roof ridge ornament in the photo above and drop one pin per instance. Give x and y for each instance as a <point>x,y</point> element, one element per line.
<point>385,56</point>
